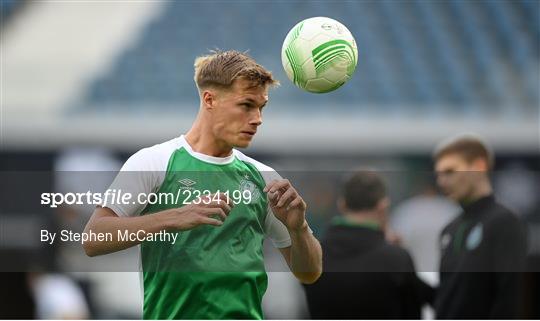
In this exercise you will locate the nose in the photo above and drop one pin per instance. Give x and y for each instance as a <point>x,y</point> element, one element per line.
<point>439,178</point>
<point>440,182</point>
<point>256,118</point>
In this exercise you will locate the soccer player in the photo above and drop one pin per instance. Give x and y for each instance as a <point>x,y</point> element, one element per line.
<point>485,238</point>
<point>215,269</point>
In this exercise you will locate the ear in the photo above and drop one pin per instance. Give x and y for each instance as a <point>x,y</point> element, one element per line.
<point>383,204</point>
<point>342,208</point>
<point>479,165</point>
<point>208,98</point>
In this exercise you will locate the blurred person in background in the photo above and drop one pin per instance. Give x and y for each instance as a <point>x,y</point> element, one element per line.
<point>57,296</point>
<point>486,237</point>
<point>364,276</point>
<point>516,186</point>
<point>112,289</point>
<point>320,195</point>
<point>16,298</point>
<point>419,222</point>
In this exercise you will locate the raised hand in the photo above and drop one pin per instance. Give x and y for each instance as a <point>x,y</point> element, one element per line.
<point>202,212</point>
<point>287,205</point>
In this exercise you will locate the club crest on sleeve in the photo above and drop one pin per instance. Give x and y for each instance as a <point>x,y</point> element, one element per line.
<point>475,237</point>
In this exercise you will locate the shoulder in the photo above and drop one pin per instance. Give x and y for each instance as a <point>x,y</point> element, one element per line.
<point>502,218</point>
<point>502,213</point>
<point>246,159</point>
<point>397,251</point>
<point>267,172</point>
<point>153,158</point>
<point>451,226</point>
<point>397,258</point>
<point>506,232</point>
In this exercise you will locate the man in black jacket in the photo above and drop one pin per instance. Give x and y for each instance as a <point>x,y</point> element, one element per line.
<point>484,248</point>
<point>363,275</point>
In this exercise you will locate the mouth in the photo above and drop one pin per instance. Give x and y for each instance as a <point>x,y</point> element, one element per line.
<point>249,133</point>
<point>449,194</point>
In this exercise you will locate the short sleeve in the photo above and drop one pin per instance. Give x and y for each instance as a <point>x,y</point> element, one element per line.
<point>273,227</point>
<point>142,173</point>
<point>276,231</point>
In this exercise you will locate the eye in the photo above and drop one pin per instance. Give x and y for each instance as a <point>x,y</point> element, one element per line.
<point>448,172</point>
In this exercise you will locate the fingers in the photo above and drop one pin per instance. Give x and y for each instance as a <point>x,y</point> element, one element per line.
<point>209,211</point>
<point>219,203</point>
<point>211,205</point>
<point>216,204</point>
<point>282,194</point>
<point>297,202</point>
<point>276,185</point>
<point>209,221</point>
<point>215,199</point>
<point>286,197</point>
<point>275,188</point>
<point>223,198</point>
<point>286,203</point>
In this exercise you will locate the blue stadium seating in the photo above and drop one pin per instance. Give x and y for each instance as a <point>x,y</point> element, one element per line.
<point>417,57</point>
<point>7,7</point>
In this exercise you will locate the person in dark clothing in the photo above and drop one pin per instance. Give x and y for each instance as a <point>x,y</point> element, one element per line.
<point>363,275</point>
<point>16,298</point>
<point>483,250</point>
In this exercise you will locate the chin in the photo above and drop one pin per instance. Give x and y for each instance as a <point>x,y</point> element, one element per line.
<point>239,143</point>
<point>242,144</point>
<point>449,195</point>
<point>454,197</point>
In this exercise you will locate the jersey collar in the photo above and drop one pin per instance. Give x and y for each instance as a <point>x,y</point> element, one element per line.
<point>207,158</point>
<point>343,221</point>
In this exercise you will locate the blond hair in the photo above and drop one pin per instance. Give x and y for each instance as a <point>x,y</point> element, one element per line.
<point>221,68</point>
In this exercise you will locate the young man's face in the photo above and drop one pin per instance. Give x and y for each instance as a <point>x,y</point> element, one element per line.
<point>457,177</point>
<point>237,113</point>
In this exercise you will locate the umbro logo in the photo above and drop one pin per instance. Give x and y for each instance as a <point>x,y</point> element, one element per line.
<point>187,182</point>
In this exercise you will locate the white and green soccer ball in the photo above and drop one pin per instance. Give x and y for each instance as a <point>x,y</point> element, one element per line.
<point>319,54</point>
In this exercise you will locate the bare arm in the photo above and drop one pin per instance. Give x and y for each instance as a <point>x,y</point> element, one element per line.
<point>104,220</point>
<point>304,256</point>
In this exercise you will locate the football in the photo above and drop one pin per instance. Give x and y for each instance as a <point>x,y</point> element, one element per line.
<point>319,54</point>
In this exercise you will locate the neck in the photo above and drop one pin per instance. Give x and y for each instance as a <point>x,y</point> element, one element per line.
<point>483,189</point>
<point>364,217</point>
<point>201,140</point>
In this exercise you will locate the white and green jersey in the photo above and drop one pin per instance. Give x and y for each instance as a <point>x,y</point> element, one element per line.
<point>209,272</point>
